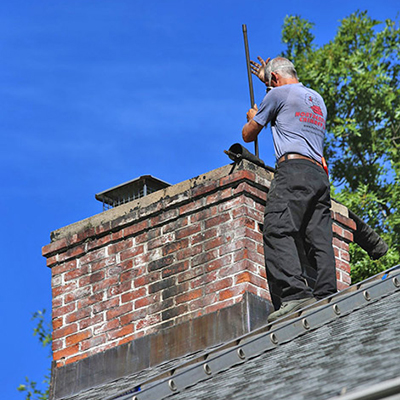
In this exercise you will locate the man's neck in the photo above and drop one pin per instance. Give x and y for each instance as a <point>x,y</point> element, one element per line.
<point>286,81</point>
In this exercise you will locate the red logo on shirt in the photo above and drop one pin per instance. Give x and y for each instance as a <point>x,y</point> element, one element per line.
<point>317,110</point>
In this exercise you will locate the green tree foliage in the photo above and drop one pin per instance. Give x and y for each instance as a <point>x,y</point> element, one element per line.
<point>357,73</point>
<point>43,332</point>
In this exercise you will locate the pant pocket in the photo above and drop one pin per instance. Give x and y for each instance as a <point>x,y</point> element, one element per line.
<point>277,220</point>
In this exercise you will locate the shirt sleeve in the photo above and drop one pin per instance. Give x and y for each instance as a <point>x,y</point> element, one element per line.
<point>267,110</point>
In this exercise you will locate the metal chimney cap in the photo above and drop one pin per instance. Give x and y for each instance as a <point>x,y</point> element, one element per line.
<point>131,190</point>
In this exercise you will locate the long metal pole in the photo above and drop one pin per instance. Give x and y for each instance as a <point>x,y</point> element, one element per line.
<point>246,48</point>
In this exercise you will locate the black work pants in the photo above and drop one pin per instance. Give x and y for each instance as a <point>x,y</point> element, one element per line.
<point>298,208</point>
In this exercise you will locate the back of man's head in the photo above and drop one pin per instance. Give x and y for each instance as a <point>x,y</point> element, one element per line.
<point>281,66</point>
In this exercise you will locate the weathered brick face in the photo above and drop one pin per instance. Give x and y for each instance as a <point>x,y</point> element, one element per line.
<point>175,255</point>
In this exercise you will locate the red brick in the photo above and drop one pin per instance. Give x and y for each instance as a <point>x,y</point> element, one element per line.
<point>131,273</point>
<point>57,345</point>
<point>116,312</point>
<point>119,235</point>
<point>145,301</point>
<point>187,231</point>
<point>105,284</point>
<point>54,247</point>
<point>98,242</point>
<point>78,337</point>
<point>344,220</point>
<point>72,253</point>
<point>338,230</point>
<point>204,236</point>
<point>342,265</point>
<point>217,220</point>
<point>175,246</point>
<point>83,235</point>
<point>145,323</point>
<point>348,236</point>
<point>119,288</point>
<point>132,252</point>
<point>203,189</point>
<point>64,267</point>
<point>203,302</point>
<point>344,255</point>
<point>219,306</point>
<point>244,276</point>
<point>67,352</point>
<point>233,269</point>
<point>76,358</point>
<point>230,293</point>
<point>339,243</point>
<point>174,269</point>
<point>119,246</point>
<point>216,242</point>
<point>101,264</point>
<point>217,197</point>
<point>108,326</point>
<point>121,332</point>
<point>92,278</point>
<point>105,305</point>
<point>190,252</point>
<point>165,216</point>
<point>134,295</point>
<point>94,298</point>
<point>52,261</point>
<point>234,204</point>
<point>61,311</point>
<point>189,296</point>
<point>147,278</point>
<point>93,342</point>
<point>63,332</point>
<point>57,323</point>
<point>60,290</point>
<point>91,322</point>
<point>204,279</point>
<point>175,225</point>
<point>147,236</point>
<point>76,273</point>
<point>219,263</point>
<point>133,316</point>
<point>190,274</point>
<point>192,206</point>
<point>204,258</point>
<point>219,285</point>
<point>203,214</point>
<point>94,255</point>
<point>77,315</point>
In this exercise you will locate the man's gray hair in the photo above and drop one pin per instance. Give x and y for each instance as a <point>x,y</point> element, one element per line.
<point>282,66</point>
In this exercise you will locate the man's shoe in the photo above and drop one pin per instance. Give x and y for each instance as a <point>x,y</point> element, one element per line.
<point>289,307</point>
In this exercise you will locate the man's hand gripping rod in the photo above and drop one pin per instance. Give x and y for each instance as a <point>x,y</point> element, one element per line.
<point>246,47</point>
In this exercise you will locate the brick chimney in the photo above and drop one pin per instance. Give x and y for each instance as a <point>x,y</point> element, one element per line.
<point>173,272</point>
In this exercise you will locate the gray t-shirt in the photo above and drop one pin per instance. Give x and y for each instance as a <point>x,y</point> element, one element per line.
<point>298,117</point>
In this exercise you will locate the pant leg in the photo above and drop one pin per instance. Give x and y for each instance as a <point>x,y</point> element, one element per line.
<point>319,235</point>
<point>287,203</point>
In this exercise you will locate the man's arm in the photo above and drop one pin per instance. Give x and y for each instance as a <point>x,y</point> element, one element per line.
<point>251,130</point>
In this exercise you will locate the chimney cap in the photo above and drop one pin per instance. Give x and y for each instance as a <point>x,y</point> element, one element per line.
<point>131,190</point>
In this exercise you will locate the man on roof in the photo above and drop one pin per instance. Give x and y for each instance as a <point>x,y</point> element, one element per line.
<point>298,202</point>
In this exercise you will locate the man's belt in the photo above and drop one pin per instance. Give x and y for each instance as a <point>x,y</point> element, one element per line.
<point>294,156</point>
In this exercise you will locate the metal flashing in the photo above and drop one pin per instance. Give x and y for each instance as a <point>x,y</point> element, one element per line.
<point>267,338</point>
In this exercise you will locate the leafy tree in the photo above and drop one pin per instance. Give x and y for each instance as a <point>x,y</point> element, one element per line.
<point>43,332</point>
<point>357,73</point>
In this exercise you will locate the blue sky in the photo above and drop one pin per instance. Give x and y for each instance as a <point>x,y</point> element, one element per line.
<point>98,92</point>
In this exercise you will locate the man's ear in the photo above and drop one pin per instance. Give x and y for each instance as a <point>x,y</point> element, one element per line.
<point>274,78</point>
